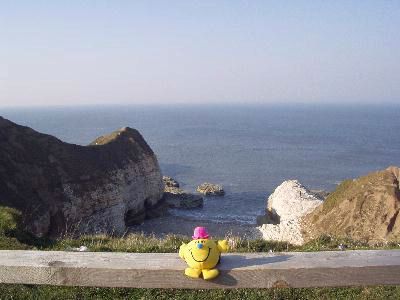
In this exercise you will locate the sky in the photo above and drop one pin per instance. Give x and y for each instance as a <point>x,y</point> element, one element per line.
<point>184,52</point>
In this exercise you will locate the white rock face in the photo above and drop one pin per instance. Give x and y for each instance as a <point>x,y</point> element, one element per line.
<point>292,200</point>
<point>126,189</point>
<point>289,202</point>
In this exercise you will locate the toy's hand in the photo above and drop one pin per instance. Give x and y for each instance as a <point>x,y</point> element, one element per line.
<point>223,246</point>
<point>182,250</point>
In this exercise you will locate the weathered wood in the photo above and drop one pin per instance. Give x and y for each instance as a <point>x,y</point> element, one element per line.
<point>246,270</point>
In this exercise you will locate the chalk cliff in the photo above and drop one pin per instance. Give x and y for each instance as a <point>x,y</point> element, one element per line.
<point>61,187</point>
<point>285,206</point>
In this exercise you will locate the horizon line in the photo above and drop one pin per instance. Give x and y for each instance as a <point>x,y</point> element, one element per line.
<point>205,104</point>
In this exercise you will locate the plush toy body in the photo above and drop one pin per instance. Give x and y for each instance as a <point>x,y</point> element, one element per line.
<point>202,255</point>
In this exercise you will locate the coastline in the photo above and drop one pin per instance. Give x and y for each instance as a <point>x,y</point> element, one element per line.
<point>162,226</point>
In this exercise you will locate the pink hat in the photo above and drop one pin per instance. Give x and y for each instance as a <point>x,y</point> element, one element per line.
<point>200,233</point>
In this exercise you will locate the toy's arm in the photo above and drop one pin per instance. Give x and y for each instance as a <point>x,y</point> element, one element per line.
<point>182,250</point>
<point>223,246</point>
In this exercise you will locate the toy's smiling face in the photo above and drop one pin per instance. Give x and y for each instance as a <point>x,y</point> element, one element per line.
<point>200,249</point>
<point>202,253</point>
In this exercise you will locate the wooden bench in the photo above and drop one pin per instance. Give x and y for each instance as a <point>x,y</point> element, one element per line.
<point>238,270</point>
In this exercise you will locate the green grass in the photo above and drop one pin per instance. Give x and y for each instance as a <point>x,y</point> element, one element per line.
<point>12,236</point>
<point>52,292</point>
<point>140,243</point>
<point>338,195</point>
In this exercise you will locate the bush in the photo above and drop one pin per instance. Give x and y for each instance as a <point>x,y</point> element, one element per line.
<point>10,220</point>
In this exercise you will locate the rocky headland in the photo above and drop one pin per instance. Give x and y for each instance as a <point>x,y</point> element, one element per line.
<point>101,188</point>
<point>365,208</point>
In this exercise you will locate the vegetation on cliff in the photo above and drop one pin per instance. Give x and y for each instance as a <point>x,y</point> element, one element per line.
<point>13,237</point>
<point>366,209</point>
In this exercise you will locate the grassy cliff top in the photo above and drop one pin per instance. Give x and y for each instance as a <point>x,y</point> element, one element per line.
<point>12,236</point>
<point>366,208</point>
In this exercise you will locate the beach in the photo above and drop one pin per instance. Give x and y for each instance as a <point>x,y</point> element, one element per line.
<point>185,226</point>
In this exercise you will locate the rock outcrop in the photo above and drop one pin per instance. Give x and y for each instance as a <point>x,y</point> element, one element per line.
<point>170,182</point>
<point>366,208</point>
<point>210,189</point>
<point>178,198</point>
<point>289,202</point>
<point>59,187</point>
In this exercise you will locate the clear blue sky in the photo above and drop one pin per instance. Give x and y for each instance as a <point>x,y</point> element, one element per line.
<point>127,52</point>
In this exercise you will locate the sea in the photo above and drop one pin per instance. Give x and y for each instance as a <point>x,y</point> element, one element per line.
<point>249,149</point>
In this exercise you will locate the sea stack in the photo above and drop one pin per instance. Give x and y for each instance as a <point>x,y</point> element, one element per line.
<point>60,187</point>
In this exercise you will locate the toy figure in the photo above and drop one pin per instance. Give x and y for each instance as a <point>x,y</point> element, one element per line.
<point>202,254</point>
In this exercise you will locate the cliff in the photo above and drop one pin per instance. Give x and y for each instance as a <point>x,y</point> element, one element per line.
<point>366,208</point>
<point>285,207</point>
<point>59,187</point>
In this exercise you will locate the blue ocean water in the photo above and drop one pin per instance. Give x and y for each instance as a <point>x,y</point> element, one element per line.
<point>248,149</point>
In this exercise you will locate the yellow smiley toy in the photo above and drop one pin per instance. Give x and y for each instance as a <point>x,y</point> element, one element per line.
<point>202,254</point>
